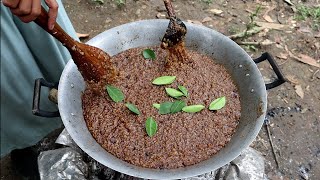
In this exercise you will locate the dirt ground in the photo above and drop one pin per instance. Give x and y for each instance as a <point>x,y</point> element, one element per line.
<point>293,108</point>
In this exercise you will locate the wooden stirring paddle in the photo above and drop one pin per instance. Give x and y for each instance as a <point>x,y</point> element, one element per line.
<point>93,63</point>
<point>176,31</point>
<point>174,38</point>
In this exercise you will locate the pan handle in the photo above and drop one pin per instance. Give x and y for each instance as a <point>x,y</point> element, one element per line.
<point>36,98</point>
<point>281,79</point>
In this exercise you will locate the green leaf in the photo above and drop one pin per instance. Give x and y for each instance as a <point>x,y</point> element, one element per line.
<point>115,94</point>
<point>174,93</point>
<point>133,108</point>
<point>120,3</point>
<point>149,54</point>
<point>177,106</point>
<point>183,90</point>
<point>163,80</point>
<point>218,103</point>
<point>165,108</point>
<point>157,106</point>
<point>151,126</point>
<point>193,108</point>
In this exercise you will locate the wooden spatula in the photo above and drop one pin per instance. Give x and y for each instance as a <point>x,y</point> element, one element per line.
<point>173,39</point>
<point>176,31</point>
<point>93,63</point>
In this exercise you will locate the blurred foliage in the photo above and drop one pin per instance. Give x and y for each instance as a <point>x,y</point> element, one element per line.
<point>207,1</point>
<point>99,1</point>
<point>312,13</point>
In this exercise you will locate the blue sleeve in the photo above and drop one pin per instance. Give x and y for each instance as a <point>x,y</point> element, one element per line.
<point>27,53</point>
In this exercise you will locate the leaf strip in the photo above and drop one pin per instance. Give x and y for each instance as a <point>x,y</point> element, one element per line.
<point>151,126</point>
<point>115,93</point>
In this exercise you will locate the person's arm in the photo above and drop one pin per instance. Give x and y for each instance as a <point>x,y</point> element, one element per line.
<point>29,10</point>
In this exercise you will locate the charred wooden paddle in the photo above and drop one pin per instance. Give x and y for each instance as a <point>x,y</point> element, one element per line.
<point>93,63</point>
<point>173,39</point>
<point>176,31</point>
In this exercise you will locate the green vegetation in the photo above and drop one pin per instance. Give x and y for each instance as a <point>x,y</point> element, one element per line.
<point>312,13</point>
<point>193,108</point>
<point>207,1</point>
<point>233,29</point>
<point>218,103</point>
<point>99,1</point>
<point>251,48</point>
<point>120,2</point>
<point>151,126</point>
<point>304,12</point>
<point>184,90</point>
<point>252,23</point>
<point>115,93</point>
<point>173,92</point>
<point>163,80</point>
<point>149,54</point>
<point>251,26</point>
<point>133,108</point>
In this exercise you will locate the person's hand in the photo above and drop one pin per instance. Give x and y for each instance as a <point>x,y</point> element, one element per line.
<point>29,10</point>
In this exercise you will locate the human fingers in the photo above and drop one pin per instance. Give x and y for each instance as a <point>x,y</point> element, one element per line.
<point>11,3</point>
<point>23,9</point>
<point>53,12</point>
<point>35,12</point>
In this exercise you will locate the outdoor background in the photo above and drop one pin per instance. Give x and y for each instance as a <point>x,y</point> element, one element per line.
<point>288,29</point>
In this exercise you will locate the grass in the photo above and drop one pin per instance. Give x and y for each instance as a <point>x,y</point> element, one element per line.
<point>313,13</point>
<point>252,23</point>
<point>207,1</point>
<point>251,48</point>
<point>233,30</point>
<point>120,3</point>
<point>304,12</point>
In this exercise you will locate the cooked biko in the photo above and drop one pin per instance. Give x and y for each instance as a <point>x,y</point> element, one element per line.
<point>182,138</point>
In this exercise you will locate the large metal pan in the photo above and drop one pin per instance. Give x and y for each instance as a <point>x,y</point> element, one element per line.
<point>242,68</point>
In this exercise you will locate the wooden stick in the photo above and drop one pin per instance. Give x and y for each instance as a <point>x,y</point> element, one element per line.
<point>314,75</point>
<point>272,146</point>
<point>169,8</point>
<point>255,43</point>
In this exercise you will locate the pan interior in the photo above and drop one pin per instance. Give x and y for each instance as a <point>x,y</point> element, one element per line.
<point>204,40</point>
